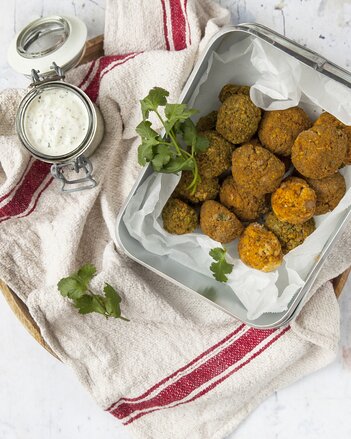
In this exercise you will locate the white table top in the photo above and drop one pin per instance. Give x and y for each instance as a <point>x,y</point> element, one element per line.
<point>41,398</point>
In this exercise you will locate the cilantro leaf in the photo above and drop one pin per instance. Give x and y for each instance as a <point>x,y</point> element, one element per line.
<point>221,267</point>
<point>161,157</point>
<point>87,304</point>
<point>190,136</point>
<point>156,97</point>
<point>76,285</point>
<point>150,139</point>
<point>112,301</point>
<point>146,151</point>
<point>201,144</point>
<point>109,290</point>
<point>86,273</point>
<point>178,164</point>
<point>145,131</point>
<point>176,113</point>
<point>188,129</point>
<point>76,288</point>
<point>71,287</point>
<point>165,152</point>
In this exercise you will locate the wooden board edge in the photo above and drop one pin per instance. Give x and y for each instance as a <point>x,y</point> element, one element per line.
<point>94,48</point>
<point>340,281</point>
<point>22,313</point>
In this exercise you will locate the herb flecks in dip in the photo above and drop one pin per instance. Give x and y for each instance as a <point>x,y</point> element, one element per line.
<point>56,121</point>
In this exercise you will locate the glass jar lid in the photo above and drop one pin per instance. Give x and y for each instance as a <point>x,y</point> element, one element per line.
<point>55,38</point>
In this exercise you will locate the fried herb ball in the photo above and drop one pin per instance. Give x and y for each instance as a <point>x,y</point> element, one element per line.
<point>320,151</point>
<point>219,223</point>
<point>329,192</point>
<point>329,119</point>
<point>289,235</point>
<point>238,119</point>
<point>256,170</point>
<point>178,217</point>
<point>216,159</point>
<point>247,207</point>
<point>207,122</point>
<point>232,89</point>
<point>278,129</point>
<point>259,248</point>
<point>207,189</point>
<point>294,201</point>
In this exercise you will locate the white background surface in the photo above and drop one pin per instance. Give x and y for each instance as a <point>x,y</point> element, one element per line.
<point>40,398</point>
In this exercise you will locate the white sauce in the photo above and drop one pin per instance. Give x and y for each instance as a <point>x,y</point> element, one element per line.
<point>56,121</point>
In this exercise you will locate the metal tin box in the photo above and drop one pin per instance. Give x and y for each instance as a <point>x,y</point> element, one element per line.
<point>184,276</point>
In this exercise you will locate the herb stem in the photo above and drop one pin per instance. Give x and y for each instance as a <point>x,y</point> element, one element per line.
<point>101,302</point>
<point>171,135</point>
<point>124,318</point>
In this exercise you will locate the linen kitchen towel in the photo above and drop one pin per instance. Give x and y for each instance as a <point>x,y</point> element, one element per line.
<point>180,368</point>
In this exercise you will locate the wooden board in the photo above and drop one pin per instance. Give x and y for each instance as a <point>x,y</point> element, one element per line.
<point>94,49</point>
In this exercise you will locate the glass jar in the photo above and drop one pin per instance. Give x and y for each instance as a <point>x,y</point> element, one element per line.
<point>56,121</point>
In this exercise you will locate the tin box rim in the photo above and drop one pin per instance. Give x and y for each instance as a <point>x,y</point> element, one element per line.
<point>307,57</point>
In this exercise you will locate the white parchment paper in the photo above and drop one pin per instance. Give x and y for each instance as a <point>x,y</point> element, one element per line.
<point>277,81</point>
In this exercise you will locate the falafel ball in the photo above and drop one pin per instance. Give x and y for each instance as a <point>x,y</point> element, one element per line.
<point>247,207</point>
<point>178,217</point>
<point>219,223</point>
<point>238,119</point>
<point>329,191</point>
<point>279,129</point>
<point>207,188</point>
<point>256,170</point>
<point>294,201</point>
<point>289,235</point>
<point>216,159</point>
<point>232,89</point>
<point>328,119</point>
<point>259,248</point>
<point>320,151</point>
<point>207,122</point>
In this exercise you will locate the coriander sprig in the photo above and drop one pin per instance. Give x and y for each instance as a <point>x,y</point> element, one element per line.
<point>166,153</point>
<point>76,288</point>
<point>221,267</point>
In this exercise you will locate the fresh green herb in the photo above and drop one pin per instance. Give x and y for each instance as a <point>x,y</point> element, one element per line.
<point>76,288</point>
<point>221,267</point>
<point>176,150</point>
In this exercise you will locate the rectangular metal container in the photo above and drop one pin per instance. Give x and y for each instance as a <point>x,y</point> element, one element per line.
<point>185,277</point>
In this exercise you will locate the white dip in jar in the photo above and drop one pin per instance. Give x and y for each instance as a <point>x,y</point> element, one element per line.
<point>56,121</point>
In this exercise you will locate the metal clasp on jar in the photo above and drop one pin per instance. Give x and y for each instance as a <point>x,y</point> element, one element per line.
<point>80,163</point>
<point>37,78</point>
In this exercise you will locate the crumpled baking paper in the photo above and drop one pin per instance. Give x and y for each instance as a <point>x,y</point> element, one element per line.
<point>277,81</point>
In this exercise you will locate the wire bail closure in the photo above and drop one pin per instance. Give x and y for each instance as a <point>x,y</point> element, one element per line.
<point>37,78</point>
<point>80,163</point>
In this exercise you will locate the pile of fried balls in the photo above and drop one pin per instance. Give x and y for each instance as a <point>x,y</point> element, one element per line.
<point>263,178</point>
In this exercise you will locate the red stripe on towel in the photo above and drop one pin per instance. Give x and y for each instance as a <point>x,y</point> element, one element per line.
<point>182,369</point>
<point>165,28</point>
<point>22,198</point>
<point>178,25</point>
<point>104,62</point>
<point>184,386</point>
<point>35,202</point>
<point>216,383</point>
<point>92,65</point>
